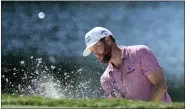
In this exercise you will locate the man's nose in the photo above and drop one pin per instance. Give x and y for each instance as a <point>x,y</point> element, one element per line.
<point>96,53</point>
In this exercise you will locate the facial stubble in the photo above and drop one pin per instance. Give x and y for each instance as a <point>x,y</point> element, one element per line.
<point>107,53</point>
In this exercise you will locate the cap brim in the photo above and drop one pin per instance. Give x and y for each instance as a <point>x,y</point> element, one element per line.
<point>87,50</point>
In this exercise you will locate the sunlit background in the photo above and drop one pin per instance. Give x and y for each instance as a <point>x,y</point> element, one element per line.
<point>42,44</point>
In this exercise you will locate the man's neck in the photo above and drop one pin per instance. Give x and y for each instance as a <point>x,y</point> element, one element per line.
<point>116,56</point>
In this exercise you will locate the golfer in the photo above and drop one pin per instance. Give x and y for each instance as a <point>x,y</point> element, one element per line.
<point>133,72</point>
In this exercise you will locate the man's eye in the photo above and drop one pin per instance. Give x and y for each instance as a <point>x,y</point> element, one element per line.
<point>96,46</point>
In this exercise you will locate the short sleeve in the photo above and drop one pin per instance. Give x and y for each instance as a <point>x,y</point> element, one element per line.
<point>148,60</point>
<point>106,85</point>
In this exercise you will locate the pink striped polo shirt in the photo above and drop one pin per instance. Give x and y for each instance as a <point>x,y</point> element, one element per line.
<point>131,81</point>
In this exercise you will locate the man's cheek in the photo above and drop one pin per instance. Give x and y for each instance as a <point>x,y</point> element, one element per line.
<point>100,51</point>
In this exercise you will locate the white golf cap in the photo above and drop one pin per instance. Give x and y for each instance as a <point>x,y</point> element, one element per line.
<point>93,36</point>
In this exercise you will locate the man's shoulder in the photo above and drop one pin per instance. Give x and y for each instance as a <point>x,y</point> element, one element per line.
<point>133,49</point>
<point>136,47</point>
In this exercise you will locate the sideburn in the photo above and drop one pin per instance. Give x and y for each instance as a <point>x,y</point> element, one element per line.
<point>107,53</point>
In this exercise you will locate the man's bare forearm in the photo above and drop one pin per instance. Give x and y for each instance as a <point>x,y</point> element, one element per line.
<point>158,92</point>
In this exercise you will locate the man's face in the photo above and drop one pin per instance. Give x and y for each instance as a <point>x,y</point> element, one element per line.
<point>102,50</point>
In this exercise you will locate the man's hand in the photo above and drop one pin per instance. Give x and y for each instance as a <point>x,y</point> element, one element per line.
<point>115,94</point>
